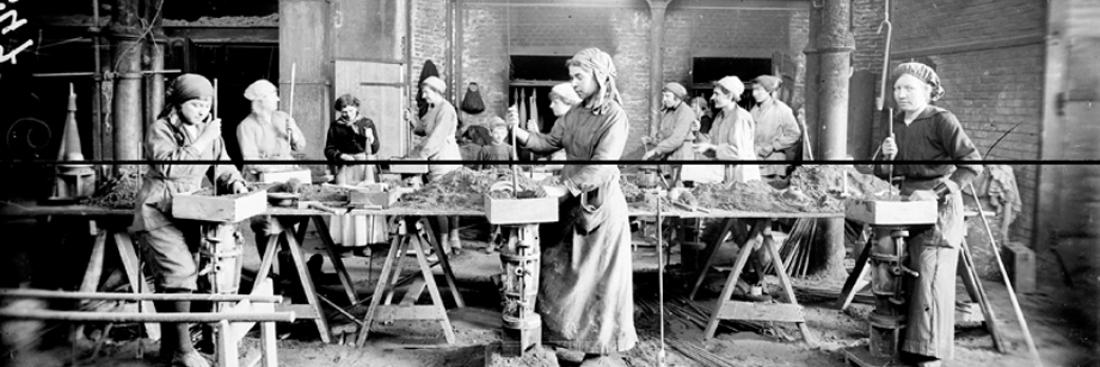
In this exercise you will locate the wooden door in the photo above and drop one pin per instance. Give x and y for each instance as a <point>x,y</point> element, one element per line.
<point>381,91</point>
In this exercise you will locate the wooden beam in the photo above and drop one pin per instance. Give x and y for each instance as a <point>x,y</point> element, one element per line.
<point>782,312</point>
<point>641,4</point>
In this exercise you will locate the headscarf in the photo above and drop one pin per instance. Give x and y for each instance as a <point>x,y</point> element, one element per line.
<point>185,88</point>
<point>261,89</point>
<point>676,89</point>
<point>603,69</point>
<point>435,83</point>
<point>428,70</point>
<point>565,93</point>
<point>732,84</point>
<point>923,73</point>
<point>768,82</point>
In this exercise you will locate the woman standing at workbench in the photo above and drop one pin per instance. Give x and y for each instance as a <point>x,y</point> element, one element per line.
<point>929,133</point>
<point>183,131</point>
<point>353,137</point>
<point>586,298</point>
<point>438,127</point>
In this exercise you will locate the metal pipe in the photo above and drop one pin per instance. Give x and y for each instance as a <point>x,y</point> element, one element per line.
<point>119,317</point>
<point>43,293</point>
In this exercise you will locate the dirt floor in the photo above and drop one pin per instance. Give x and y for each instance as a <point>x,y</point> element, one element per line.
<point>1058,316</point>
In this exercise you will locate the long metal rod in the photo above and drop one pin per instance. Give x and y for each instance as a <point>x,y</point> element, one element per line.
<point>42,293</point>
<point>92,73</point>
<point>1008,283</point>
<point>118,317</point>
<point>660,284</point>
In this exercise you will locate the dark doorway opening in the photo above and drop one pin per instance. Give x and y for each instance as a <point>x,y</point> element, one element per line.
<point>707,70</point>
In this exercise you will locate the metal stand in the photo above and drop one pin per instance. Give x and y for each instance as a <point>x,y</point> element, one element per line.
<point>520,260</point>
<point>888,258</point>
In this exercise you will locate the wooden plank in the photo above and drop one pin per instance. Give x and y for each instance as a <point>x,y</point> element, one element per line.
<point>390,313</point>
<point>380,286</point>
<point>433,290</point>
<point>95,264</point>
<point>267,343</point>
<point>301,311</point>
<point>132,266</point>
<point>851,285</point>
<point>752,311</point>
<point>425,233</point>
<point>521,211</point>
<point>307,287</point>
<point>223,208</point>
<point>413,293</point>
<point>227,346</point>
<point>727,291</point>
<point>337,261</point>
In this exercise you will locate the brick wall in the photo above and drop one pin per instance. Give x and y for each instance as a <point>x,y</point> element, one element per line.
<point>493,31</point>
<point>992,84</point>
<point>429,38</point>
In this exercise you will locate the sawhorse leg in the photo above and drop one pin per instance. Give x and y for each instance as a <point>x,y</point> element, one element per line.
<point>313,309</point>
<point>977,292</point>
<point>425,234</point>
<point>337,261</point>
<point>858,279</point>
<point>384,311</point>
<point>735,310</point>
<point>711,251</point>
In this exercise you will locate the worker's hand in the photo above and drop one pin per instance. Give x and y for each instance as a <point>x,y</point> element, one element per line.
<point>646,140</point>
<point>648,154</point>
<point>889,148</point>
<point>513,117</point>
<point>346,157</point>
<point>213,130</point>
<point>239,187</point>
<point>704,147</point>
<point>408,116</point>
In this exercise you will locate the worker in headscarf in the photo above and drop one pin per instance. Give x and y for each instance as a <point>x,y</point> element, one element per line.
<point>703,118</point>
<point>438,127</point>
<point>353,139</point>
<point>586,295</point>
<point>731,137</point>
<point>925,132</point>
<point>267,133</point>
<point>672,140</point>
<point>184,131</point>
<point>562,99</point>
<point>777,131</point>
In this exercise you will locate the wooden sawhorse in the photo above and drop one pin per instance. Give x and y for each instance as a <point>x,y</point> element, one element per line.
<point>292,241</point>
<point>381,309</point>
<point>725,309</point>
<point>103,229</point>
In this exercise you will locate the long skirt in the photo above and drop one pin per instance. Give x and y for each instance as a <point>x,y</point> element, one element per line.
<point>357,230</point>
<point>586,290</point>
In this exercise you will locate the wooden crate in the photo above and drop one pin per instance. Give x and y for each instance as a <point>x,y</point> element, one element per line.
<point>883,212</point>
<point>303,175</point>
<point>224,208</point>
<point>1020,265</point>
<point>521,211</point>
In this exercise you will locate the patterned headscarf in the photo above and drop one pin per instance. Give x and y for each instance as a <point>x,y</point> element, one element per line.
<point>603,69</point>
<point>923,73</point>
<point>676,89</point>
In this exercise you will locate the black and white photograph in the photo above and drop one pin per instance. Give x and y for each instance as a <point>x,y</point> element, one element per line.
<point>544,183</point>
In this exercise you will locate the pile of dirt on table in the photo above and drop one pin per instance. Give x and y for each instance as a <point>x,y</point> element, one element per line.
<point>827,183</point>
<point>118,192</point>
<point>324,193</point>
<point>756,196</point>
<point>465,189</point>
